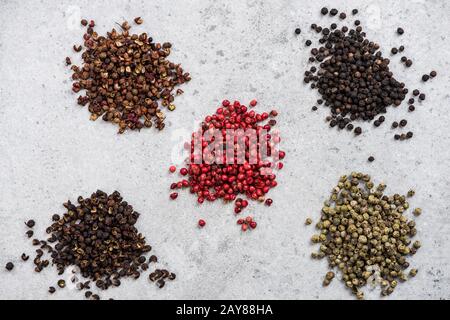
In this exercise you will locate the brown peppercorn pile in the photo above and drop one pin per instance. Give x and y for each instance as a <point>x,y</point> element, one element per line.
<point>98,236</point>
<point>353,78</point>
<point>125,77</point>
<point>366,235</point>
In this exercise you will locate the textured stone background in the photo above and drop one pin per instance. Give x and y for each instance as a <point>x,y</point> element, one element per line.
<point>51,152</point>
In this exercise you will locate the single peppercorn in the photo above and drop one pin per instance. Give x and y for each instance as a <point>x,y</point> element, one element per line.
<point>400,31</point>
<point>308,221</point>
<point>394,124</point>
<point>333,12</point>
<point>422,96</point>
<point>9,266</point>
<point>403,123</point>
<point>355,11</point>
<point>416,92</point>
<point>30,223</point>
<point>358,131</point>
<point>324,11</point>
<point>201,223</point>
<point>397,137</point>
<point>433,74</point>
<point>394,50</point>
<point>308,43</point>
<point>408,63</point>
<point>298,31</point>
<point>342,15</point>
<point>411,108</point>
<point>51,290</point>
<point>401,48</point>
<point>409,135</point>
<point>425,77</point>
<point>371,159</point>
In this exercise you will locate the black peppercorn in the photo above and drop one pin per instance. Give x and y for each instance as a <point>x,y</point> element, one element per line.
<point>371,159</point>
<point>433,74</point>
<point>425,77</point>
<point>400,31</point>
<point>308,43</point>
<point>409,135</point>
<point>333,12</point>
<point>342,15</point>
<point>411,108</point>
<point>298,31</point>
<point>52,290</point>
<point>395,124</point>
<point>416,92</point>
<point>401,48</point>
<point>394,50</point>
<point>30,223</point>
<point>403,123</point>
<point>324,11</point>
<point>422,96</point>
<point>358,131</point>
<point>355,11</point>
<point>9,266</point>
<point>408,63</point>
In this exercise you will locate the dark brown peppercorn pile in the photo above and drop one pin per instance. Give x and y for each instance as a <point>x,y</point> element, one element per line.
<point>353,78</point>
<point>127,78</point>
<point>99,237</point>
<point>366,234</point>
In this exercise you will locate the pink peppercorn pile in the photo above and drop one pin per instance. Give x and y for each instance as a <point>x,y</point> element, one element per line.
<point>252,179</point>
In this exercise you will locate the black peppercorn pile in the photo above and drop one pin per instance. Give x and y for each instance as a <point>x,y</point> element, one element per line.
<point>125,77</point>
<point>99,237</point>
<point>353,77</point>
<point>366,235</point>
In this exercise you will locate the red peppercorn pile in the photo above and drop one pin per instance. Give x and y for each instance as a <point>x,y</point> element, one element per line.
<point>252,179</point>
<point>125,76</point>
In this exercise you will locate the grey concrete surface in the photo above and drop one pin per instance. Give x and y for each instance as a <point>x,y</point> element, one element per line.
<point>51,152</point>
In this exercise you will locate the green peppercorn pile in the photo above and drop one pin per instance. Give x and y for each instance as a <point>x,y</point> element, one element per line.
<point>366,235</point>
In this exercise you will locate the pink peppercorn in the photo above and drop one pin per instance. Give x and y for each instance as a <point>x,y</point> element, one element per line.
<point>201,223</point>
<point>268,202</point>
<point>172,169</point>
<point>253,103</point>
<point>183,171</point>
<point>173,195</point>
<point>253,224</point>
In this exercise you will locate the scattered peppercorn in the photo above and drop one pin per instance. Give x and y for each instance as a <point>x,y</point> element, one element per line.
<point>433,74</point>
<point>422,96</point>
<point>355,11</point>
<point>425,78</point>
<point>411,108</point>
<point>324,10</point>
<point>138,20</point>
<point>333,12</point>
<point>298,31</point>
<point>400,31</point>
<point>403,123</point>
<point>201,223</point>
<point>371,159</point>
<point>51,290</point>
<point>342,15</point>
<point>30,223</point>
<point>9,266</point>
<point>308,221</point>
<point>308,43</point>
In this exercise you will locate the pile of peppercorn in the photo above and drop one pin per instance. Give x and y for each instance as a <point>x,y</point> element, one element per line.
<point>97,237</point>
<point>125,77</point>
<point>366,235</point>
<point>352,77</point>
